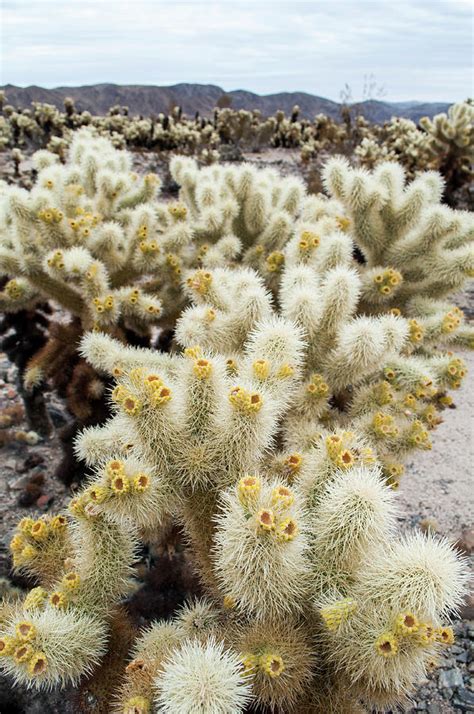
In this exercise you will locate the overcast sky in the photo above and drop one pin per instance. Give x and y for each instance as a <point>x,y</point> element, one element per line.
<point>417,49</point>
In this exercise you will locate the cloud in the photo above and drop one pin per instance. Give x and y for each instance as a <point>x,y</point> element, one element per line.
<point>418,49</point>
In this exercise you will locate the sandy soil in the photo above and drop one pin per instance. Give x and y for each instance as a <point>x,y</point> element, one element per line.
<point>439,483</point>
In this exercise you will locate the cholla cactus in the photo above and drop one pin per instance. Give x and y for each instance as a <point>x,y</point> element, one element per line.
<point>269,438</point>
<point>80,238</point>
<point>295,559</point>
<point>451,141</point>
<point>373,344</point>
<point>397,140</point>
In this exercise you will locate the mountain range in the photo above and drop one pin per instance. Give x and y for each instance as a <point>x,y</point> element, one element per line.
<point>146,100</point>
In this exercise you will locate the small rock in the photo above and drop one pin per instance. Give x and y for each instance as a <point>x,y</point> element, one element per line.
<point>429,525</point>
<point>45,501</point>
<point>450,678</point>
<point>29,495</point>
<point>57,416</point>
<point>465,542</point>
<point>434,708</point>
<point>467,612</point>
<point>465,699</point>
<point>29,463</point>
<point>37,477</point>
<point>19,483</point>
<point>462,657</point>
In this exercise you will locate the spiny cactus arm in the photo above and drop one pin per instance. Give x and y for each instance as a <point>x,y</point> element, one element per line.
<point>280,661</point>
<point>110,356</point>
<point>152,647</point>
<point>355,510</point>
<point>226,250</point>
<point>45,647</point>
<point>273,357</point>
<point>362,346</point>
<point>10,263</point>
<point>38,545</point>
<point>383,637</point>
<point>436,226</point>
<point>57,291</point>
<point>137,307</point>
<point>379,287</point>
<point>320,319</point>
<point>69,620</point>
<point>95,444</point>
<point>222,324</point>
<point>144,193</point>
<point>18,294</point>
<point>260,545</point>
<point>48,359</point>
<point>202,676</point>
<point>128,491</point>
<point>464,337</point>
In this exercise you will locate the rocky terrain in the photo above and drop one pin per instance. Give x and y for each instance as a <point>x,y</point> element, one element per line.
<point>146,100</point>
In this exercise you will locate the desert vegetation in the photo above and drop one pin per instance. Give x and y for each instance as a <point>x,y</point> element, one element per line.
<point>248,358</point>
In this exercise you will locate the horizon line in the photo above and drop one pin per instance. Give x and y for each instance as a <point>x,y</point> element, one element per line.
<point>225,91</point>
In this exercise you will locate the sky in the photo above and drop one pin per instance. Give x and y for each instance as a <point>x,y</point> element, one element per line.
<point>413,49</point>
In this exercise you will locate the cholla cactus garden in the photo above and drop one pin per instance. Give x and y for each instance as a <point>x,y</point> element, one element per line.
<point>314,340</point>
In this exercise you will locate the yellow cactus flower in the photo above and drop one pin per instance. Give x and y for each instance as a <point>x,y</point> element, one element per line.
<point>17,543</point>
<point>29,552</point>
<point>282,496</point>
<point>25,525</point>
<point>272,664</point>
<point>71,581</point>
<point>406,623</point>
<point>161,396</point>
<point>141,482</point>
<point>200,282</point>
<point>38,664</point>
<point>426,633</point>
<point>244,401</point>
<point>275,261</point>
<point>338,612</point>
<point>248,489</point>
<point>114,467</point>
<point>25,631</point>
<point>7,645</point>
<point>228,602</point>
<point>131,405</point>
<point>202,368</point>
<point>445,635</point>
<point>137,705</point>
<point>35,599</point>
<point>98,494</point>
<point>386,645</point>
<point>58,599</point>
<point>292,464</point>
<point>120,484</point>
<point>345,460</point>
<point>287,530</point>
<point>249,662</point>
<point>285,371</point>
<point>261,368</point>
<point>23,653</point>
<point>58,523</point>
<point>266,519</point>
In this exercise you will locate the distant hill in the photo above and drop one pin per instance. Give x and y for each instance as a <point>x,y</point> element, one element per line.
<point>146,100</point>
